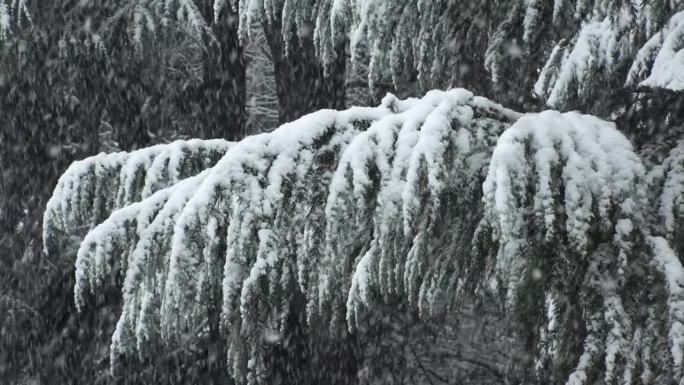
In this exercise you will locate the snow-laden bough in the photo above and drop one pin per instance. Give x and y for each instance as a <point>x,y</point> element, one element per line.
<point>428,202</point>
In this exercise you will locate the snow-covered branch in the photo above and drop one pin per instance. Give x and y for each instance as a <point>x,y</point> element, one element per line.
<point>428,202</point>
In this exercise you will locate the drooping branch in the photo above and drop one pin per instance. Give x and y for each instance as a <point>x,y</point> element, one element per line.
<point>425,202</point>
<point>566,201</point>
<point>91,189</point>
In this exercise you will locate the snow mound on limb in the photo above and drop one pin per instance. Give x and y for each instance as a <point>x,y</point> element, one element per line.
<point>565,202</point>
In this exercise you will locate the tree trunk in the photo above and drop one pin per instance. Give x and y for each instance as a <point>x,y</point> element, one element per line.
<point>221,97</point>
<point>302,84</point>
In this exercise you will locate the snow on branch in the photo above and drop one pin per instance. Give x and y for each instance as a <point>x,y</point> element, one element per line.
<point>659,63</point>
<point>12,14</point>
<point>399,191</point>
<point>577,161</point>
<point>91,189</point>
<point>667,181</point>
<point>256,225</point>
<point>572,69</point>
<point>671,268</point>
<point>419,201</point>
<point>565,200</point>
<point>430,38</point>
<point>594,62</point>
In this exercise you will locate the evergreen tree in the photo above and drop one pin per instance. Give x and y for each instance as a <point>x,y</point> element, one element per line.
<point>276,255</point>
<point>348,211</point>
